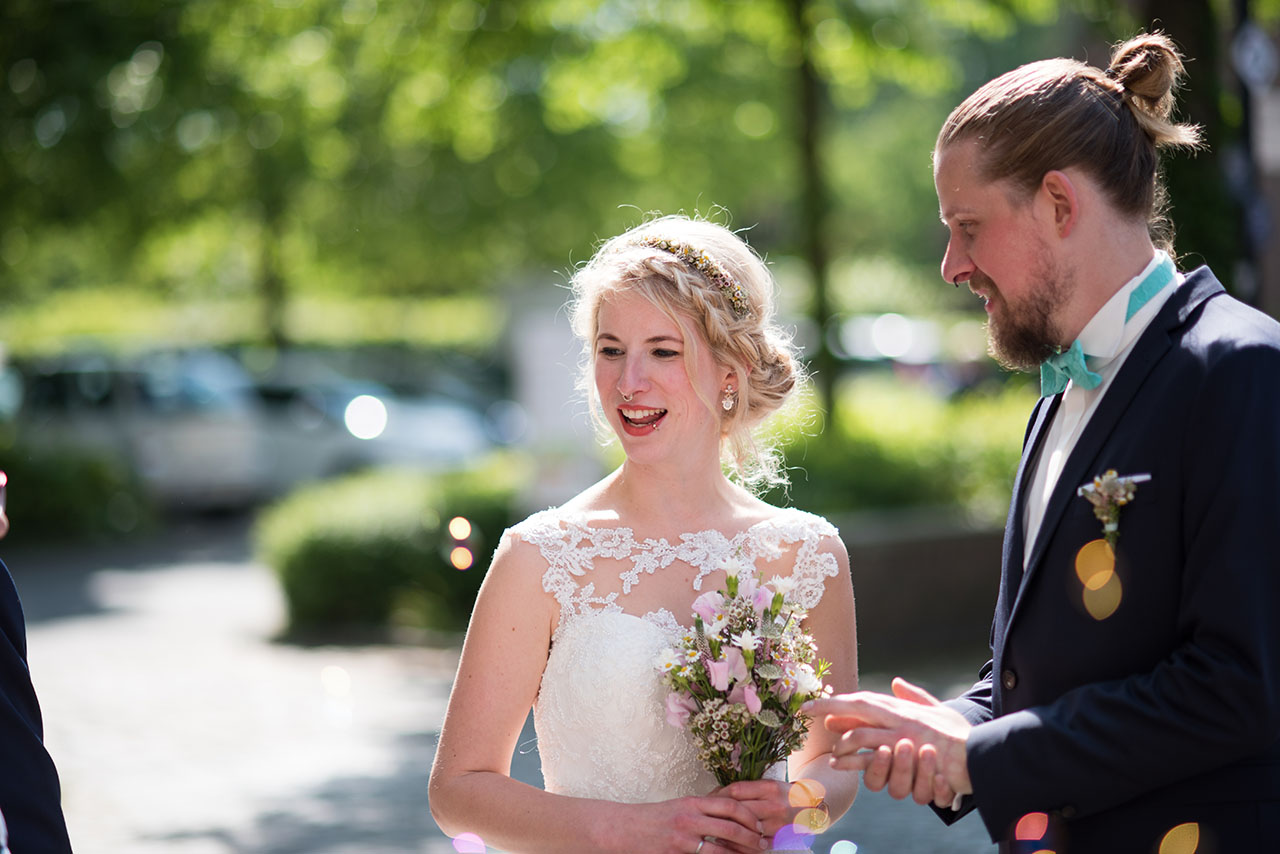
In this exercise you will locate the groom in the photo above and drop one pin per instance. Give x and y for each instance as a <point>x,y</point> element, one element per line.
<point>1132,702</point>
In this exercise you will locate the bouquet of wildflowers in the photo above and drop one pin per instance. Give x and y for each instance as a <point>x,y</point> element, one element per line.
<point>739,677</point>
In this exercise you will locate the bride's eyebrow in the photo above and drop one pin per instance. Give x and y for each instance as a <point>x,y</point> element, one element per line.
<point>656,339</point>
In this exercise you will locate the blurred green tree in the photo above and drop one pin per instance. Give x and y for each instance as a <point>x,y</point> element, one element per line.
<point>241,148</point>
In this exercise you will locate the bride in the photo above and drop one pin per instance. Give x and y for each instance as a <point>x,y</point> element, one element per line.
<point>685,360</point>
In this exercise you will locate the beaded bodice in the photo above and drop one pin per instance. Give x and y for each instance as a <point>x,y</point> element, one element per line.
<point>600,713</point>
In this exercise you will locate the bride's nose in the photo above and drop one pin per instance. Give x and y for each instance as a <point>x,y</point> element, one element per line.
<point>633,379</point>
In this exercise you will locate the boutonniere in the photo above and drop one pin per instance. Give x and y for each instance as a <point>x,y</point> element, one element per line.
<point>1108,492</point>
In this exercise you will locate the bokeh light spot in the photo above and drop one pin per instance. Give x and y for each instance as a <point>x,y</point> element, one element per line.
<point>806,793</point>
<point>1031,826</point>
<point>811,820</point>
<point>459,528</point>
<point>844,846</point>
<point>1183,839</point>
<point>1104,601</point>
<point>789,838</point>
<point>365,417</point>
<point>468,843</point>
<point>1094,558</point>
<point>461,558</point>
<point>336,681</point>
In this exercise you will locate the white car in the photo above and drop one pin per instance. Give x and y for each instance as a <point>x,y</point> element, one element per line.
<point>201,432</point>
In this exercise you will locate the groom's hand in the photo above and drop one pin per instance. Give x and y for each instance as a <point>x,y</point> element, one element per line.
<point>909,741</point>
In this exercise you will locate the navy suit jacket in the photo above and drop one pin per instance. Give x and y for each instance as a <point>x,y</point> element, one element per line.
<point>1167,711</point>
<point>30,798</point>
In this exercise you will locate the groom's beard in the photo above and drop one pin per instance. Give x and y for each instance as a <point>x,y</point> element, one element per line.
<point>1022,335</point>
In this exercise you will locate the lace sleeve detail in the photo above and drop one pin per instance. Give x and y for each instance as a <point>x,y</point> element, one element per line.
<point>812,567</point>
<point>568,548</point>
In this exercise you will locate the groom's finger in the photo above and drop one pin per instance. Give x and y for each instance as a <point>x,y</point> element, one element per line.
<point>926,770</point>
<point>864,706</point>
<point>904,690</point>
<point>843,723</point>
<point>943,794</point>
<point>902,775</point>
<point>875,776</point>
<point>865,738</point>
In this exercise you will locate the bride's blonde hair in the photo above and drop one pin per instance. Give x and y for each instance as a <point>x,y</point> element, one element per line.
<point>713,285</point>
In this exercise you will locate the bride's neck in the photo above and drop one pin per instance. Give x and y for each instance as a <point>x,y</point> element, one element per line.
<point>666,497</point>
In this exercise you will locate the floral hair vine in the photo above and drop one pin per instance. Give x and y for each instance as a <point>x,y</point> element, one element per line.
<point>717,275</point>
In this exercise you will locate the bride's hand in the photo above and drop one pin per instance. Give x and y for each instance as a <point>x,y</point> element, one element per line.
<point>708,825</point>
<point>770,801</point>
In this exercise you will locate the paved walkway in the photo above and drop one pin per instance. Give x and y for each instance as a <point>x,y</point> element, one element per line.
<point>180,726</point>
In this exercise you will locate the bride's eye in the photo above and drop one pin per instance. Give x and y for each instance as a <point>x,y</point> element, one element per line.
<point>610,352</point>
<point>663,353</point>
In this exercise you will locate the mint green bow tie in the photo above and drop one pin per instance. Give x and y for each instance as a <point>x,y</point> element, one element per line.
<point>1068,365</point>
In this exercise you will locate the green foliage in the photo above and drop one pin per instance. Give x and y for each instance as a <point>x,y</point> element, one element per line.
<point>233,149</point>
<point>361,550</point>
<point>122,319</point>
<point>71,495</point>
<point>901,445</point>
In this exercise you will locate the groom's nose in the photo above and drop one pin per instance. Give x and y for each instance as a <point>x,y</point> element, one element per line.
<point>957,266</point>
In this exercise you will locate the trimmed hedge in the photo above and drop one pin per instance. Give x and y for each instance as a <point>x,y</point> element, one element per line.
<point>71,494</point>
<point>373,548</point>
<point>903,446</point>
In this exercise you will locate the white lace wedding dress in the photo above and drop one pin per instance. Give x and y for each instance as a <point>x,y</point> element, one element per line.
<point>600,714</point>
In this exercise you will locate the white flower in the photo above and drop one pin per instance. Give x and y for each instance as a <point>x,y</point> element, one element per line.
<point>746,640</point>
<point>716,626</point>
<point>668,660</point>
<point>807,682</point>
<point>733,566</point>
<point>782,585</point>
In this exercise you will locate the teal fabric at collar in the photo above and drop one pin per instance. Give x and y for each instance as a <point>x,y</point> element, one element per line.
<point>1070,364</point>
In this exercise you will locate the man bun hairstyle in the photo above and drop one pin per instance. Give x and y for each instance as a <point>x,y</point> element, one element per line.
<point>1059,113</point>
<point>716,288</point>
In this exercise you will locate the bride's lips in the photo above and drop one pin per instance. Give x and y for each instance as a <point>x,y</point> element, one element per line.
<point>640,421</point>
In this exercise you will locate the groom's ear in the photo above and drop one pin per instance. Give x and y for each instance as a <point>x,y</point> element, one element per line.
<point>1059,193</point>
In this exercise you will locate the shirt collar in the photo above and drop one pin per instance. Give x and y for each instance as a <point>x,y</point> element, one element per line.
<point>1107,334</point>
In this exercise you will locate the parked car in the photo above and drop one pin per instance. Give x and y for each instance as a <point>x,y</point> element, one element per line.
<point>319,422</point>
<point>202,432</point>
<point>185,422</point>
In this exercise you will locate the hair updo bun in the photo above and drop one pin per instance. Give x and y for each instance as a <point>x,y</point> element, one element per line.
<point>733,313</point>
<point>1149,68</point>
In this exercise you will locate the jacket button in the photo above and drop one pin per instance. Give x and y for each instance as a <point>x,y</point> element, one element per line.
<point>1009,679</point>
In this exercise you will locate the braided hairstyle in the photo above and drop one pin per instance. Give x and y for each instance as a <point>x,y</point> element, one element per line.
<point>745,337</point>
<point>1059,113</point>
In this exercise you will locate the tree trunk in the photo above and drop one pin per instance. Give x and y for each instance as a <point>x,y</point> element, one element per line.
<point>270,280</point>
<point>813,209</point>
<point>1206,217</point>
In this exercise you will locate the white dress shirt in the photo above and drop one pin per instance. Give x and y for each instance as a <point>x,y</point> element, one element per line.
<point>1106,340</point>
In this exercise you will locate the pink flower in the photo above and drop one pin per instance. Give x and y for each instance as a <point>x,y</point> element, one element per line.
<point>737,665</point>
<point>719,673</point>
<point>708,605</point>
<point>745,693</point>
<point>679,707</point>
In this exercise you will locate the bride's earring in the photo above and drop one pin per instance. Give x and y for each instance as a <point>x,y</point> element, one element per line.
<point>728,400</point>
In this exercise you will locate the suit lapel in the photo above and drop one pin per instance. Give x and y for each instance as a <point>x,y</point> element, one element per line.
<point>1014,542</point>
<point>1083,462</point>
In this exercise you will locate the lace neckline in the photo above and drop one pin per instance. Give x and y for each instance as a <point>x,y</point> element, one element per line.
<point>570,544</point>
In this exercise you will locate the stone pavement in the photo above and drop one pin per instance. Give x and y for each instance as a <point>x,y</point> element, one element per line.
<point>180,726</point>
